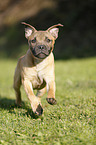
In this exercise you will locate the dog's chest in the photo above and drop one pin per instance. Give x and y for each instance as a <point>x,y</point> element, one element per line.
<point>36,75</point>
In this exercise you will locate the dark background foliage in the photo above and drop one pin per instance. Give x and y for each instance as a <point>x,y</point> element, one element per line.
<point>77,38</point>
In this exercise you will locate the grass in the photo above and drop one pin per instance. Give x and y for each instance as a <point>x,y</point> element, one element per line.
<point>71,122</point>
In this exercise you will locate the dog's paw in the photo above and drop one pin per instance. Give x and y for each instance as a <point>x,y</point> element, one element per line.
<point>39,110</point>
<point>51,101</point>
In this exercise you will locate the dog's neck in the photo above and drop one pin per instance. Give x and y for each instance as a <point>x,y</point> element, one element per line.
<point>35,60</point>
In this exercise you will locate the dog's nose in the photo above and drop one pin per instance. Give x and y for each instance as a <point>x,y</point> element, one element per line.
<point>41,47</point>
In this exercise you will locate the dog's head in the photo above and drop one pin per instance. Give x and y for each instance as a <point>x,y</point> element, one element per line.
<point>41,43</point>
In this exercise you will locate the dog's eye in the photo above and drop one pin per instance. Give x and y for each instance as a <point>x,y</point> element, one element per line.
<point>34,40</point>
<point>48,40</point>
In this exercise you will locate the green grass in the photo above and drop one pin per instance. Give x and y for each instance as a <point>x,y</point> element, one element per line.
<point>71,122</point>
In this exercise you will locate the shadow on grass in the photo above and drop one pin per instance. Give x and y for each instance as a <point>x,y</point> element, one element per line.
<point>9,104</point>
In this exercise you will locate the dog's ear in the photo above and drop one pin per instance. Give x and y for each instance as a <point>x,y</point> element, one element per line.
<point>28,30</point>
<point>53,30</point>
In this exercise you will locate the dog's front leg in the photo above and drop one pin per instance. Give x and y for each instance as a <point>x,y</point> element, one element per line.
<point>35,101</point>
<point>51,93</point>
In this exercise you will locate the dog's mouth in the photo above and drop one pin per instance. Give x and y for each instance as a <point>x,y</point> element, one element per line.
<point>41,53</point>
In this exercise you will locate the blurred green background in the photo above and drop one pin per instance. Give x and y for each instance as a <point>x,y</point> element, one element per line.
<point>77,39</point>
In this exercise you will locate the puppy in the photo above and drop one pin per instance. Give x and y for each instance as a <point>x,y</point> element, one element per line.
<point>35,70</point>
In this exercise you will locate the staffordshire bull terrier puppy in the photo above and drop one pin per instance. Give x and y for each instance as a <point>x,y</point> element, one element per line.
<point>35,70</point>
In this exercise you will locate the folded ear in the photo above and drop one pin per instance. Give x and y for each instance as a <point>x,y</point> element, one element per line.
<point>53,30</point>
<point>29,30</point>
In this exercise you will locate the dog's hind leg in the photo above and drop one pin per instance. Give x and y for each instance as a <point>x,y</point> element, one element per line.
<point>41,92</point>
<point>17,84</point>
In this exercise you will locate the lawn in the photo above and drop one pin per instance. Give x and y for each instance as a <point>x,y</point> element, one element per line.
<point>71,122</point>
